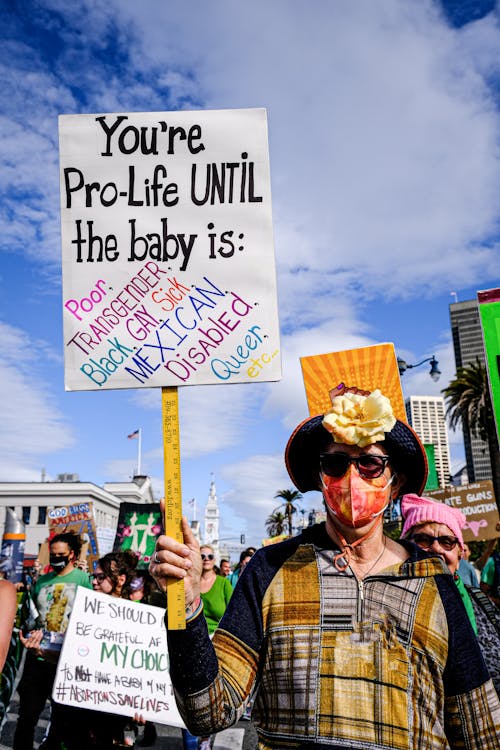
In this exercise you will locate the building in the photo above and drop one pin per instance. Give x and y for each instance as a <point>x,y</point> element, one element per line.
<point>426,414</point>
<point>32,500</point>
<point>211,535</point>
<point>468,345</point>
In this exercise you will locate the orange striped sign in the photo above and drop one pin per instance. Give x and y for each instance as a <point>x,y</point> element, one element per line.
<point>368,368</point>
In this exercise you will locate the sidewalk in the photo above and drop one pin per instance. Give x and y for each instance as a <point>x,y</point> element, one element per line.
<point>241,737</point>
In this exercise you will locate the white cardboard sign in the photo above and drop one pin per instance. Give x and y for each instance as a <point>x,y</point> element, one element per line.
<point>167,249</point>
<point>114,659</point>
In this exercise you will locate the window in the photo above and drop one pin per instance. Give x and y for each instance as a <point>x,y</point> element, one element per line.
<point>26,513</point>
<point>42,514</point>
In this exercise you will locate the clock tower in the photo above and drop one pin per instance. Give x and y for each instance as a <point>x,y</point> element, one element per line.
<point>212,520</point>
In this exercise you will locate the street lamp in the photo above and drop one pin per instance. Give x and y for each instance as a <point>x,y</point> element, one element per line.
<point>434,372</point>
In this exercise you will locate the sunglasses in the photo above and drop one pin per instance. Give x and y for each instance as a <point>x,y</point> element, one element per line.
<point>426,541</point>
<point>206,557</point>
<point>369,466</point>
<point>99,577</point>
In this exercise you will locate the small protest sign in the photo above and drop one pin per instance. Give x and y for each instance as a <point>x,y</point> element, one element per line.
<point>368,368</point>
<point>489,311</point>
<point>115,659</point>
<point>168,255</point>
<point>477,503</point>
<point>138,527</point>
<point>79,519</point>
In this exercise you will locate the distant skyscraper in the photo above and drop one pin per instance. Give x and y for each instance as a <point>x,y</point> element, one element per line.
<point>468,345</point>
<point>426,414</point>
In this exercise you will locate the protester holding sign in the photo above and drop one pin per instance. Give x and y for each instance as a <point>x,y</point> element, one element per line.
<point>53,595</point>
<point>355,639</point>
<point>113,575</point>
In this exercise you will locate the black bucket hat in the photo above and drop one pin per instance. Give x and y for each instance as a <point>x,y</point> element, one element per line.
<point>310,439</point>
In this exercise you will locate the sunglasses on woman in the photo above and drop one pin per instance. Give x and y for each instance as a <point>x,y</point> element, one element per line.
<point>426,541</point>
<point>206,557</point>
<point>369,466</point>
<point>99,577</point>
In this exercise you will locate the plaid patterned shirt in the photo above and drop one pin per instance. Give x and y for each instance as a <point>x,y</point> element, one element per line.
<point>390,662</point>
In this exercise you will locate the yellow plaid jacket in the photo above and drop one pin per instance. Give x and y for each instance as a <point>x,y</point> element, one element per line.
<point>389,662</point>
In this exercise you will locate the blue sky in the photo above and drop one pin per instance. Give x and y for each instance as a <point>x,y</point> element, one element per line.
<point>383,135</point>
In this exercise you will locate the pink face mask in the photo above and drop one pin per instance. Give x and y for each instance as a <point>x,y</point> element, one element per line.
<point>354,500</point>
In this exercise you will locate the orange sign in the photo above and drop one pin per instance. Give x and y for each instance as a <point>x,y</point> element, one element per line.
<point>367,368</point>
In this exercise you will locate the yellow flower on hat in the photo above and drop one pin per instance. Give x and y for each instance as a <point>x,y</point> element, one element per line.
<point>359,420</point>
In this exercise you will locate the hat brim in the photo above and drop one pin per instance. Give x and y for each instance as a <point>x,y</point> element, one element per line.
<point>310,438</point>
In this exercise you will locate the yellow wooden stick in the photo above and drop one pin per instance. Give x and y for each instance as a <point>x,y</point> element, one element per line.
<point>176,617</point>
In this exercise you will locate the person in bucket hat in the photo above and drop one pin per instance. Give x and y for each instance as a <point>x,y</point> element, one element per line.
<point>341,636</point>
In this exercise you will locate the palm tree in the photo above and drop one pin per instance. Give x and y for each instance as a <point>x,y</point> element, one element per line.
<point>290,497</point>
<point>468,402</point>
<point>275,523</point>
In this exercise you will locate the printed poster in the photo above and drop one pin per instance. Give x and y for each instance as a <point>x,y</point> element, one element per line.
<point>368,368</point>
<point>139,525</point>
<point>167,249</point>
<point>114,659</point>
<point>489,312</point>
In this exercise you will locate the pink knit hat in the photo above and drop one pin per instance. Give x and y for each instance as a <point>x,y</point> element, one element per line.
<point>417,510</point>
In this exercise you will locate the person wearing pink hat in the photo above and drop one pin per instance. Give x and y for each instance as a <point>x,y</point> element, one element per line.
<point>343,637</point>
<point>437,528</point>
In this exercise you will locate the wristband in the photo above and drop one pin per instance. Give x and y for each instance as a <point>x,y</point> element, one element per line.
<point>193,611</point>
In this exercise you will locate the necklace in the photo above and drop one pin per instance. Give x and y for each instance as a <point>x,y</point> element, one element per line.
<point>376,561</point>
<point>343,558</point>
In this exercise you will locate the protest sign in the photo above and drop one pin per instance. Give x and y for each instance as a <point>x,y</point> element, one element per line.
<point>138,527</point>
<point>432,482</point>
<point>114,659</point>
<point>368,368</point>
<point>168,261</point>
<point>79,519</point>
<point>489,311</point>
<point>477,503</point>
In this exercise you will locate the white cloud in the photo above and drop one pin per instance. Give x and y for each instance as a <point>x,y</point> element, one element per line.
<point>32,425</point>
<point>254,482</point>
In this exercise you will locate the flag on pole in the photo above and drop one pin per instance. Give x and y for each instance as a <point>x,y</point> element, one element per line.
<point>133,435</point>
<point>192,501</point>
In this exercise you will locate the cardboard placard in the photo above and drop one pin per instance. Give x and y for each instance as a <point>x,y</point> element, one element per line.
<point>367,368</point>
<point>477,503</point>
<point>79,519</point>
<point>115,659</point>
<point>168,255</point>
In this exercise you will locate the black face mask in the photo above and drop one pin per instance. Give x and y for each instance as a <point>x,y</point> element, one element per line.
<point>59,563</point>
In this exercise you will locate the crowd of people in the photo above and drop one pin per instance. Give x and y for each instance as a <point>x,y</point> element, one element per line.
<point>341,636</point>
<point>51,594</point>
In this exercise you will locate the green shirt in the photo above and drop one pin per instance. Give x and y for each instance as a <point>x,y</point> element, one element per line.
<point>54,596</point>
<point>488,572</point>
<point>215,601</point>
<point>467,602</point>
